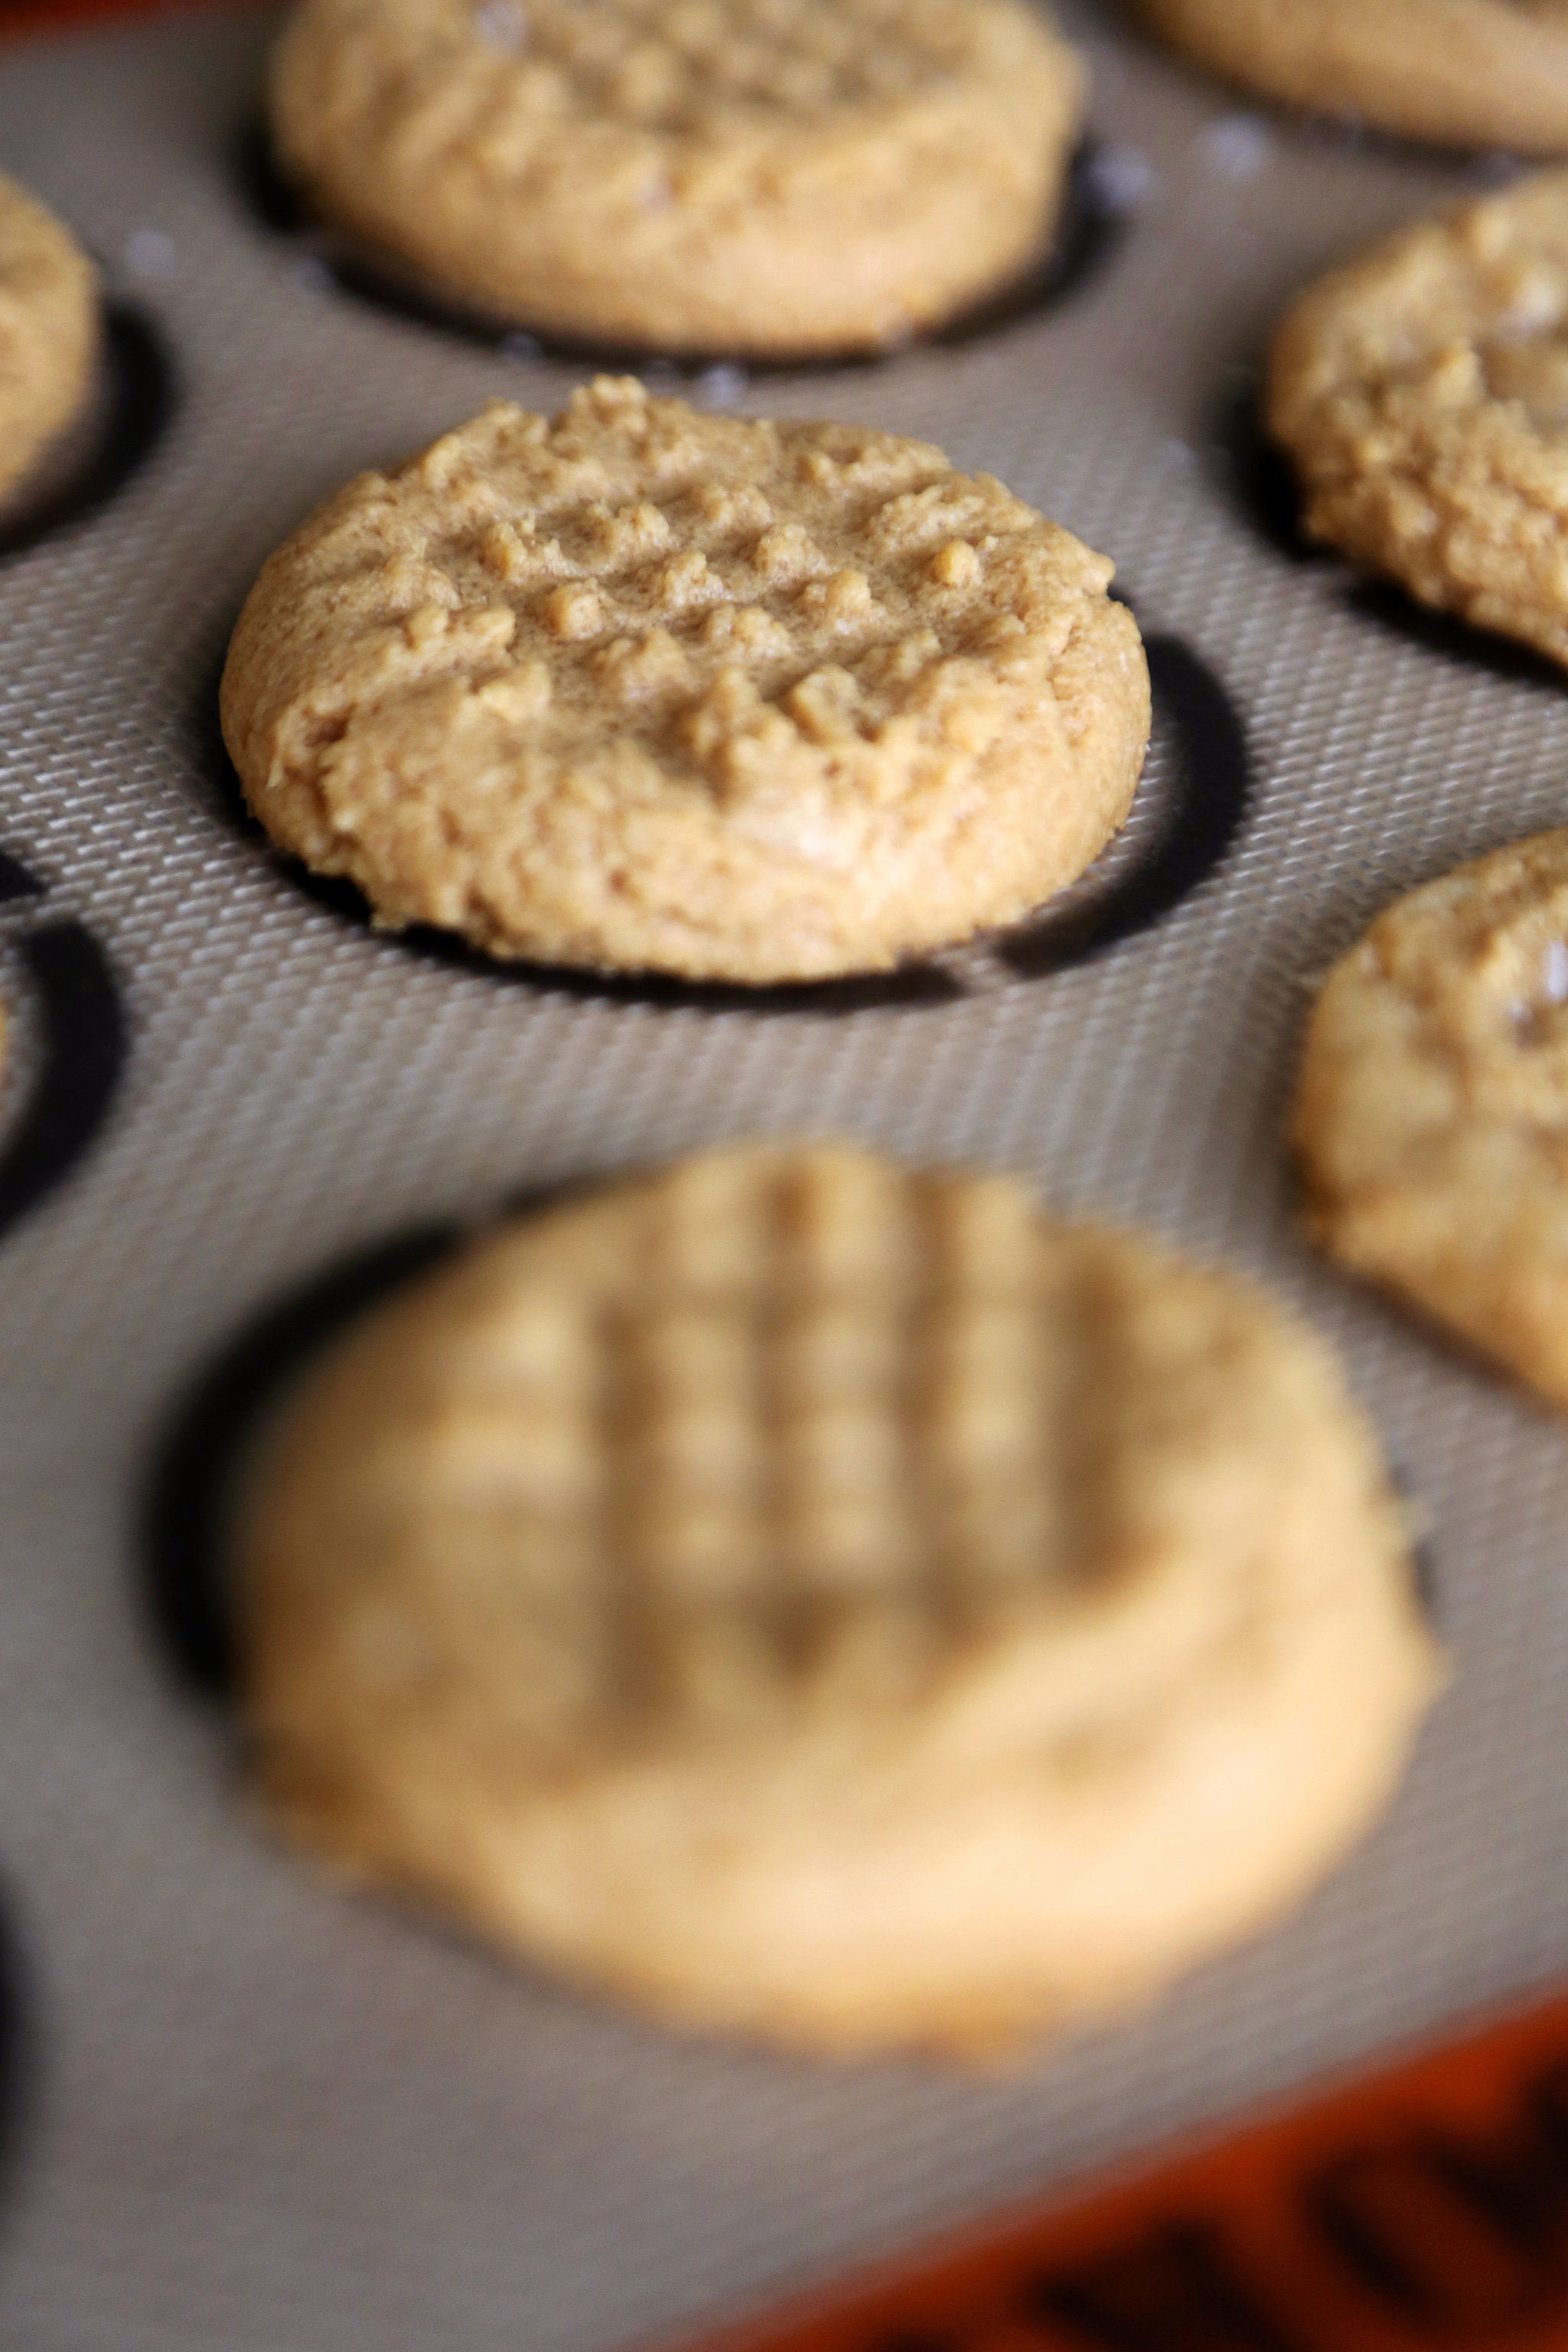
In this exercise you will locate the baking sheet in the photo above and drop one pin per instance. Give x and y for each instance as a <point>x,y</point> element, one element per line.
<point>239,2109</point>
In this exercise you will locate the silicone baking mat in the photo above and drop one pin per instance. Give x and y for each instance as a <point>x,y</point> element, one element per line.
<point>239,2108</point>
<point>1421,2206</point>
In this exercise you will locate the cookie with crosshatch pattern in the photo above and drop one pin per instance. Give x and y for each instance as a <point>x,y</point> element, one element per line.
<point>834,1603</point>
<point>1421,391</point>
<point>1432,1112</point>
<point>640,687</point>
<point>1466,73</point>
<point>752,177</point>
<point>48,334</point>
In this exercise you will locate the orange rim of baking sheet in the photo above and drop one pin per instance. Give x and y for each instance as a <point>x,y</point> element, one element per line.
<point>1422,2207</point>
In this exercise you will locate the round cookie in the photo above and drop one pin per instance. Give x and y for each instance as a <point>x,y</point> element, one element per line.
<point>768,178</point>
<point>1467,73</point>
<point>1422,392</point>
<point>48,333</point>
<point>650,689</point>
<point>839,1604</point>
<point>1432,1117</point>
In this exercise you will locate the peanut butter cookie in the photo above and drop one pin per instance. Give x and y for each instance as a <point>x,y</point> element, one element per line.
<point>48,333</point>
<point>1467,73</point>
<point>1422,391</point>
<point>649,689</point>
<point>835,1603</point>
<point>764,177</point>
<point>1432,1119</point>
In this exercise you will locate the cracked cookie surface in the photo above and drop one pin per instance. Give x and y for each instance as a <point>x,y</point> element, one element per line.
<point>1422,392</point>
<point>1432,1115</point>
<point>643,688</point>
<point>1467,73</point>
<point>48,332</point>
<point>766,178</point>
<point>834,1603</point>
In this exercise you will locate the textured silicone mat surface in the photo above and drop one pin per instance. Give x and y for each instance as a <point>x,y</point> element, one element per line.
<point>246,2110</point>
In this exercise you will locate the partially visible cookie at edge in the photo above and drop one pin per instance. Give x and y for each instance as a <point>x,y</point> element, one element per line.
<point>840,1604</point>
<point>777,178</point>
<point>1431,1119</point>
<point>48,334</point>
<point>1464,73</point>
<point>640,687</point>
<point>1421,391</point>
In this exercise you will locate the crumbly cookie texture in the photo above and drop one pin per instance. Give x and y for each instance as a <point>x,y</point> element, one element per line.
<point>1432,1117</point>
<point>833,1603</point>
<point>1466,73</point>
<point>767,177</point>
<point>646,688</point>
<point>1422,392</point>
<point>48,332</point>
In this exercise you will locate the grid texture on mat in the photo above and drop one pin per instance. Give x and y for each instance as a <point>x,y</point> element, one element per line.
<point>261,2115</point>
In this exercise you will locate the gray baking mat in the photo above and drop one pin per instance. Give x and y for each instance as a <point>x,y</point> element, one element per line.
<point>259,2115</point>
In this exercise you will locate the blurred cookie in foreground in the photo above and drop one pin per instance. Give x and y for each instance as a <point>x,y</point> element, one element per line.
<point>1432,1115</point>
<point>1463,73</point>
<point>1421,391</point>
<point>48,338</point>
<point>643,688</point>
<point>753,178</point>
<point>835,1604</point>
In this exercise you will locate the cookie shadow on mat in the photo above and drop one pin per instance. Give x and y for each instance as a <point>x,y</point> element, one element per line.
<point>19,2051</point>
<point>202,1441</point>
<point>182,1548</point>
<point>127,415</point>
<point>1259,483</point>
<point>1187,815</point>
<point>78,1017</point>
<point>1088,232</point>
